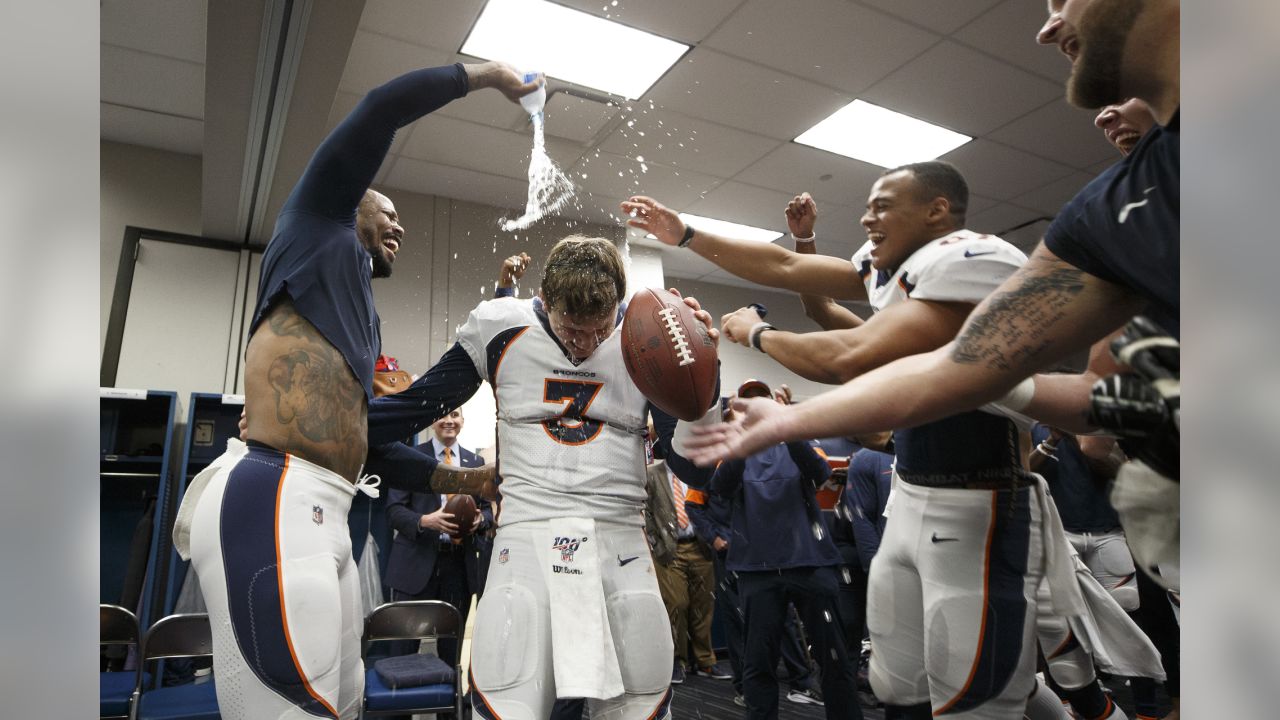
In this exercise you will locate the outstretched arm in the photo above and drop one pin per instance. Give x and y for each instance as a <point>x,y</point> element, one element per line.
<point>762,263</point>
<point>347,160</point>
<point>1045,311</point>
<point>837,356</point>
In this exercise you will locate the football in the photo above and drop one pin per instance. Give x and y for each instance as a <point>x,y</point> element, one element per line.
<point>463,508</point>
<point>668,353</point>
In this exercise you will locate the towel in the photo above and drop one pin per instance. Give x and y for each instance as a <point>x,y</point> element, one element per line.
<point>1106,631</point>
<point>1059,566</point>
<point>583,652</point>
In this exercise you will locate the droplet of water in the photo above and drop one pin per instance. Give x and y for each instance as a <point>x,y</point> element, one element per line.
<point>818,534</point>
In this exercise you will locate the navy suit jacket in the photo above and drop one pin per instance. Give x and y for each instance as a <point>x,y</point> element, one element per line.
<point>413,552</point>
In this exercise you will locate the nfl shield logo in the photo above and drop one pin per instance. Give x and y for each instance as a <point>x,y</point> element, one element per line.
<point>317,514</point>
<point>504,556</point>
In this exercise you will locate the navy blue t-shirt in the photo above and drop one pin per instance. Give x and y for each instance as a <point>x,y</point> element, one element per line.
<point>314,255</point>
<point>1123,226</point>
<point>1081,496</point>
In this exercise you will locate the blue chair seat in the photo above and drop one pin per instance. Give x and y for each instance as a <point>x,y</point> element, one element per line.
<point>192,702</point>
<point>379,697</point>
<point>114,691</point>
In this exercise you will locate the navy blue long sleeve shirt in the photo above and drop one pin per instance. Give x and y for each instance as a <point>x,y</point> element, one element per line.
<point>776,522</point>
<point>866,492</point>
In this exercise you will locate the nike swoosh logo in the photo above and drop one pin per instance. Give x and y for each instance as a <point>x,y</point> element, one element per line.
<point>1129,207</point>
<point>622,561</point>
<point>970,253</point>
<point>937,539</point>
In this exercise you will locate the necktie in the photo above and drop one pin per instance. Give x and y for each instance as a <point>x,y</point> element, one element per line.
<point>448,456</point>
<point>448,460</point>
<point>677,494</point>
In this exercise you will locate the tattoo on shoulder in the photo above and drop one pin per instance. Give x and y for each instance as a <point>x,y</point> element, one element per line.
<point>1014,325</point>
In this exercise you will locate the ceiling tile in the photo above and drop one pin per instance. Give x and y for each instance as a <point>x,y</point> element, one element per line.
<point>161,27</point>
<point>434,179</point>
<point>1008,31</point>
<point>449,141</point>
<point>151,82</point>
<point>688,22</point>
<point>375,59</point>
<point>944,17</point>
<point>1000,218</point>
<point>794,169</point>
<point>575,118</point>
<point>831,42</point>
<point>1000,172</point>
<point>1050,198</point>
<point>744,204</point>
<point>148,129</point>
<point>615,176</point>
<point>1027,237</point>
<point>438,25</point>
<point>748,96</point>
<point>681,141</point>
<point>961,89</point>
<point>1058,131</point>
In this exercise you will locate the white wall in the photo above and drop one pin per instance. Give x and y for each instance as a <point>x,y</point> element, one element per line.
<point>145,188</point>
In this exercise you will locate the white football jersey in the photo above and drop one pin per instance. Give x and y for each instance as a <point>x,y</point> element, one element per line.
<point>570,437</point>
<point>963,266</point>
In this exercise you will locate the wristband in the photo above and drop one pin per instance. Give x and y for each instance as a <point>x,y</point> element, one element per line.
<point>687,237</point>
<point>1020,396</point>
<point>809,239</point>
<point>753,336</point>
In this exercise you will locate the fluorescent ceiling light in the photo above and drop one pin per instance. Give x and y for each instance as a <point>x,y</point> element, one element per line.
<point>882,137</point>
<point>730,229</point>
<point>572,45</point>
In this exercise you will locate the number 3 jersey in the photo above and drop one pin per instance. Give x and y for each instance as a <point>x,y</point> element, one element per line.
<point>570,436</point>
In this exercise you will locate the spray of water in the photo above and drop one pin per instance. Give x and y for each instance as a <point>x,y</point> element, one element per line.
<point>549,188</point>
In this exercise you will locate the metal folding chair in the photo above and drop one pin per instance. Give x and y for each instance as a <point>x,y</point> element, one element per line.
<point>412,620</point>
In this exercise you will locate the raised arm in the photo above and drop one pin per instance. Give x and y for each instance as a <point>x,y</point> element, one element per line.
<point>345,163</point>
<point>802,214</point>
<point>762,263</point>
<point>1045,311</point>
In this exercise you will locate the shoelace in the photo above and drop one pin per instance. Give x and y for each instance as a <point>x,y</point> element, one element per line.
<point>368,484</point>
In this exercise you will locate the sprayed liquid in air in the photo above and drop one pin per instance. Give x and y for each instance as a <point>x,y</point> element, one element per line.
<point>549,188</point>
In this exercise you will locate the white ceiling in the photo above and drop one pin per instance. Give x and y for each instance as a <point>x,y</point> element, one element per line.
<point>715,132</point>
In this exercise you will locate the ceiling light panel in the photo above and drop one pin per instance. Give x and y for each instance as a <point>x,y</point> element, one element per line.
<point>571,45</point>
<point>873,134</point>
<point>730,229</point>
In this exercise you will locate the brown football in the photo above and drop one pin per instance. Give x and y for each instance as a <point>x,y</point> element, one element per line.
<point>668,353</point>
<point>464,512</point>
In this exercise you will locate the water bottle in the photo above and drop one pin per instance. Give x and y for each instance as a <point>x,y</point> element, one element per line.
<point>534,101</point>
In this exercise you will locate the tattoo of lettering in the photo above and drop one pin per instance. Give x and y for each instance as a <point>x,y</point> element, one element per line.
<point>310,385</point>
<point>1014,326</point>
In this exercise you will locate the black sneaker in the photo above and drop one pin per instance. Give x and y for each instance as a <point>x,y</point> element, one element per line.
<point>805,696</point>
<point>716,672</point>
<point>677,674</point>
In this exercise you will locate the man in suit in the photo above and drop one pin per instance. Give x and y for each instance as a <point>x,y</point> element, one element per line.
<point>426,563</point>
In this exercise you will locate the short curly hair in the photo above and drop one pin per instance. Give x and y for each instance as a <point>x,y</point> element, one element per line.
<point>584,277</point>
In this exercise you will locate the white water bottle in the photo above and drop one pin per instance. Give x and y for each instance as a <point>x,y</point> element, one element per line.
<point>534,101</point>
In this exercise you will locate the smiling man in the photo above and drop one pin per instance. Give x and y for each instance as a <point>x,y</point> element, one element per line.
<point>266,525</point>
<point>936,646</point>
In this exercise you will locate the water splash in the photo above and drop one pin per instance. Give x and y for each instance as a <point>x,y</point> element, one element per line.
<point>549,188</point>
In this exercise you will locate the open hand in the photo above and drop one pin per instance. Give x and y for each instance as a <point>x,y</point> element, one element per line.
<point>654,217</point>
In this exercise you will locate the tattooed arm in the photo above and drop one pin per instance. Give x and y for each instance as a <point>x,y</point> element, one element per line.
<point>1043,313</point>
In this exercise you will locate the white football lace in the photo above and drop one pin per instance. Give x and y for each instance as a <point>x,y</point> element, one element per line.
<point>668,315</point>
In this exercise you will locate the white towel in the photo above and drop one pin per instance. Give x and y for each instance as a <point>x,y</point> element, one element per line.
<point>1059,567</point>
<point>583,651</point>
<point>191,498</point>
<point>1106,631</point>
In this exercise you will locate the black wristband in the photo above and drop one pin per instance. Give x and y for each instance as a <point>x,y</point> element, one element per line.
<point>687,237</point>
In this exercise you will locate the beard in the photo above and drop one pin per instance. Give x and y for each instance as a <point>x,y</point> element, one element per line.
<point>1104,29</point>
<point>381,266</point>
